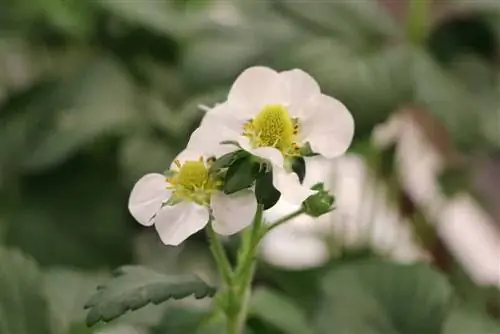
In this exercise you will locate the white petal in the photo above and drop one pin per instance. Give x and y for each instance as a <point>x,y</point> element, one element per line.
<point>230,116</point>
<point>256,87</point>
<point>147,196</point>
<point>279,210</point>
<point>233,212</point>
<point>221,123</point>
<point>471,235</point>
<point>330,127</point>
<point>268,153</point>
<point>319,169</point>
<point>301,88</point>
<point>289,186</point>
<point>177,222</point>
<point>207,139</point>
<point>285,247</point>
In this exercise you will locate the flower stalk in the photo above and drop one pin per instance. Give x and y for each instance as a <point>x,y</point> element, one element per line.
<point>239,281</point>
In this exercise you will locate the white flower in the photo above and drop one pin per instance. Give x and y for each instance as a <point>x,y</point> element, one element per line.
<point>180,205</point>
<point>273,115</point>
<point>363,216</point>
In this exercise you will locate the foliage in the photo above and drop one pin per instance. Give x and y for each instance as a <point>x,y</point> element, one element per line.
<point>135,287</point>
<point>93,94</point>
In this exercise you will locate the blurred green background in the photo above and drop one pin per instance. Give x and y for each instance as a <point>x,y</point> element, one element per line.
<point>94,94</point>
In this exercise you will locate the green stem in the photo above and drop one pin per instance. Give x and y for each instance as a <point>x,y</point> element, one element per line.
<point>285,219</point>
<point>417,20</point>
<point>241,285</point>
<point>220,256</point>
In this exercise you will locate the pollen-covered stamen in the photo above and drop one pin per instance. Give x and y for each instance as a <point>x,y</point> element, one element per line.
<point>193,181</point>
<point>273,127</point>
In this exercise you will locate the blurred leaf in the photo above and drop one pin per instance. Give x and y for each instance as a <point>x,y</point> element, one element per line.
<point>67,292</point>
<point>25,117</point>
<point>371,85</point>
<point>383,297</point>
<point>141,154</point>
<point>99,102</point>
<point>180,320</point>
<point>464,111</point>
<point>23,307</point>
<point>79,329</point>
<point>73,215</point>
<point>159,16</point>
<point>361,24</point>
<point>213,58</point>
<point>135,287</point>
<point>465,321</point>
<point>278,310</point>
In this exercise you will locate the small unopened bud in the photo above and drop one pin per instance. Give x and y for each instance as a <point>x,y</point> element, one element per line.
<point>319,203</point>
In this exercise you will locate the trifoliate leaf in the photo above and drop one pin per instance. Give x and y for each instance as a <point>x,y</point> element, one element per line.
<point>135,287</point>
<point>265,192</point>
<point>240,175</point>
<point>23,308</point>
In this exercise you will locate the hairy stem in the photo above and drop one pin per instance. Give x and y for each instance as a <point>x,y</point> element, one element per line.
<point>220,256</point>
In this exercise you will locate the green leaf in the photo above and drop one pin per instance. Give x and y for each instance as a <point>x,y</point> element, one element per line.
<point>75,215</point>
<point>134,287</point>
<point>360,24</point>
<point>23,307</point>
<point>452,101</point>
<point>97,100</point>
<point>241,175</point>
<point>384,298</point>
<point>371,85</point>
<point>279,311</point>
<point>465,321</point>
<point>180,320</point>
<point>158,16</point>
<point>67,291</point>
<point>265,192</point>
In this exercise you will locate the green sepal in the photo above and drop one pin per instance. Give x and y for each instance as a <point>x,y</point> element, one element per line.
<point>265,192</point>
<point>306,151</point>
<point>299,168</point>
<point>227,160</point>
<point>241,174</point>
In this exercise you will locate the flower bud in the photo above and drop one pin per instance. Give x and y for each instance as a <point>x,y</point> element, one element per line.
<point>319,203</point>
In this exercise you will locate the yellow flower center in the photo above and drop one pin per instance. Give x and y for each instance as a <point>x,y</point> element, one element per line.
<point>192,182</point>
<point>273,127</point>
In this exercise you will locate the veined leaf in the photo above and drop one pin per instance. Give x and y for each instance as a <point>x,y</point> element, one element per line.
<point>135,287</point>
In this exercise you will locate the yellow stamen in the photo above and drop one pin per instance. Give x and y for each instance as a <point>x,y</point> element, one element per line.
<point>273,127</point>
<point>193,182</point>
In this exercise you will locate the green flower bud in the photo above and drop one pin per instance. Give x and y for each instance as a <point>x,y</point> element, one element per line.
<point>319,203</point>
